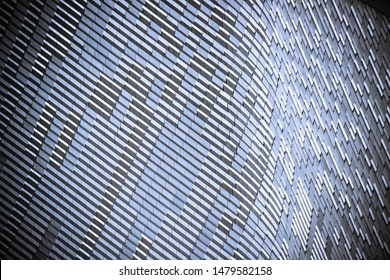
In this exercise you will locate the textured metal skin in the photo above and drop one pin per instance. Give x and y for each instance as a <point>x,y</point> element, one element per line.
<point>194,130</point>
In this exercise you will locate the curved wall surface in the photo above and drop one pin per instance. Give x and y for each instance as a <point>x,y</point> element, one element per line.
<point>194,130</point>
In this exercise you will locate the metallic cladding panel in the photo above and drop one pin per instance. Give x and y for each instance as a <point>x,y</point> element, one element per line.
<point>194,130</point>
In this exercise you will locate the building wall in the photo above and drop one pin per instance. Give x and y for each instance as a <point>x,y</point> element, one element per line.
<point>194,130</point>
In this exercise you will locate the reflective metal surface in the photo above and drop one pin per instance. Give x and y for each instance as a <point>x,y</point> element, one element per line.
<point>194,130</point>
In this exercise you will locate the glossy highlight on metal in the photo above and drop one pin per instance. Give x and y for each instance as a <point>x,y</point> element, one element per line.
<point>162,129</point>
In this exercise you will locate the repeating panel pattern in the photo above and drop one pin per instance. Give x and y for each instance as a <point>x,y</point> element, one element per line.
<point>194,130</point>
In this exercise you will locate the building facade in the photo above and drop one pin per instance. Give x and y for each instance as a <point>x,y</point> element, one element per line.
<point>194,130</point>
